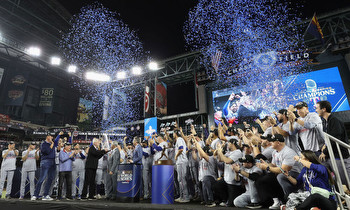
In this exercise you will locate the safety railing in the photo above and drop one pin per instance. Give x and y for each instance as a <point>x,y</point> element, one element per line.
<point>339,190</point>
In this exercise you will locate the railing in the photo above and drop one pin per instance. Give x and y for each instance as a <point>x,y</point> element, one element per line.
<point>339,191</point>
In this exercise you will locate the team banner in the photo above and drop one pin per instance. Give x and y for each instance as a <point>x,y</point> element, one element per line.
<point>105,108</point>
<point>84,113</point>
<point>148,101</point>
<point>16,87</point>
<point>244,103</point>
<point>1,74</point>
<point>161,101</point>
<point>150,126</point>
<point>46,99</point>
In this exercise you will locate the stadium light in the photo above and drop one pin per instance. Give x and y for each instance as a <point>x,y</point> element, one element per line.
<point>153,66</point>
<point>55,61</point>
<point>136,70</point>
<point>100,77</point>
<point>72,68</point>
<point>34,51</point>
<point>121,75</point>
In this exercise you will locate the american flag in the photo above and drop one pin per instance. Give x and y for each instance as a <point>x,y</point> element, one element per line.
<point>215,60</point>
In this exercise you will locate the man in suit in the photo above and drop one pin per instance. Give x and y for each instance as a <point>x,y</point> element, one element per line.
<point>137,153</point>
<point>94,154</point>
<point>112,168</point>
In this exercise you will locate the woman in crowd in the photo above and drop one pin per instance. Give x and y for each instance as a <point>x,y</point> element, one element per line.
<point>316,175</point>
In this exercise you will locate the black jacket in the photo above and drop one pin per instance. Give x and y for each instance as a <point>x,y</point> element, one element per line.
<point>336,128</point>
<point>93,157</point>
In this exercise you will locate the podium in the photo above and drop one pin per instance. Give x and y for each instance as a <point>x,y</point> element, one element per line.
<point>163,182</point>
<point>129,182</point>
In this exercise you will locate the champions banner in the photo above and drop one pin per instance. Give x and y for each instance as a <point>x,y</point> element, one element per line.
<point>245,103</point>
<point>16,87</point>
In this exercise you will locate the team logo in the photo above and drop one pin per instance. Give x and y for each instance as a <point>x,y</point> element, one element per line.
<point>15,94</point>
<point>147,99</point>
<point>18,80</point>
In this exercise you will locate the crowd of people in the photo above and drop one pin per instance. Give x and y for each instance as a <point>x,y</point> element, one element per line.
<point>280,163</point>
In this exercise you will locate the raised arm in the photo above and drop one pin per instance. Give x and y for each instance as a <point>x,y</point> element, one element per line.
<point>201,152</point>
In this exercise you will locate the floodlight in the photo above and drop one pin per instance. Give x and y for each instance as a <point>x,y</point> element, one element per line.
<point>136,70</point>
<point>153,66</point>
<point>72,68</point>
<point>121,75</point>
<point>97,76</point>
<point>55,61</point>
<point>34,51</point>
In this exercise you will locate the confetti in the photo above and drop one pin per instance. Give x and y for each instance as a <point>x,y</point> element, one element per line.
<point>100,41</point>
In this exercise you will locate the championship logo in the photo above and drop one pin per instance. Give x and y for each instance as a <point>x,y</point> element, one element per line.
<point>18,80</point>
<point>14,94</point>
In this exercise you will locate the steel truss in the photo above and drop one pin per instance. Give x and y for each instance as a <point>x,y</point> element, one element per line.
<point>335,27</point>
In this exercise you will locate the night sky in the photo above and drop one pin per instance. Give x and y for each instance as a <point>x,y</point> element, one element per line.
<point>159,23</point>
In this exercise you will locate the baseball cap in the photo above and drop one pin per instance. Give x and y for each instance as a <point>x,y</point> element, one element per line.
<point>207,150</point>
<point>247,159</point>
<point>11,142</point>
<point>301,104</point>
<point>232,129</point>
<point>67,143</point>
<point>276,137</point>
<point>233,141</point>
<point>260,156</point>
<point>33,143</point>
<point>264,118</point>
<point>144,141</point>
<point>282,111</point>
